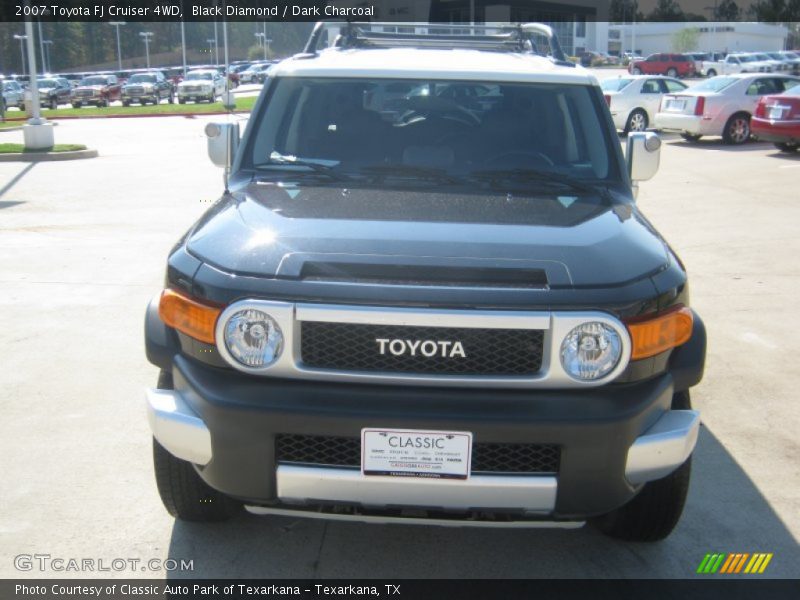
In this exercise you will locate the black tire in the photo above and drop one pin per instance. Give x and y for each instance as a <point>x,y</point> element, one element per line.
<point>637,121</point>
<point>672,72</point>
<point>184,494</point>
<point>126,103</point>
<point>53,104</point>
<point>76,105</point>
<point>181,100</point>
<point>655,511</point>
<point>737,129</point>
<point>636,71</point>
<point>711,73</point>
<point>691,137</point>
<point>171,98</point>
<point>786,147</point>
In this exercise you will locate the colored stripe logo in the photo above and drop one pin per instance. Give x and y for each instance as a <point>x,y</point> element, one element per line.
<point>732,563</point>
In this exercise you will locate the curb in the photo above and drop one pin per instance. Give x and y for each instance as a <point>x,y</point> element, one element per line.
<point>48,156</point>
<point>2,129</point>
<point>145,116</point>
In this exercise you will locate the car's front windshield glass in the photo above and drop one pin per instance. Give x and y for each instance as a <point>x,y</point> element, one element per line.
<point>199,76</point>
<point>715,84</point>
<point>432,130</point>
<point>746,58</point>
<point>615,85</point>
<point>142,79</point>
<point>47,83</point>
<point>94,81</point>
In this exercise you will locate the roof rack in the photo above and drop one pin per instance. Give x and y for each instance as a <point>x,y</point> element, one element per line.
<point>529,38</point>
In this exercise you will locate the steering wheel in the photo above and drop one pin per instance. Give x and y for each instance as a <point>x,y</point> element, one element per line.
<point>519,158</point>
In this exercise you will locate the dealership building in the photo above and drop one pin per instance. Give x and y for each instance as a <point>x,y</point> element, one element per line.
<point>648,38</point>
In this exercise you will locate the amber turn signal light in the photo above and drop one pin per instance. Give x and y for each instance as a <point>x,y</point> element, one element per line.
<point>188,316</point>
<point>654,336</point>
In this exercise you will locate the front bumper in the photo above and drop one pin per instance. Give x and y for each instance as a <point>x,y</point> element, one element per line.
<point>612,439</point>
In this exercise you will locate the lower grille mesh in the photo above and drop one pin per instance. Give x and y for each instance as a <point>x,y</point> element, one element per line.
<point>486,457</point>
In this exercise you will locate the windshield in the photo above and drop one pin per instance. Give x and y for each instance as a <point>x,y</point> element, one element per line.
<point>746,58</point>
<point>141,78</point>
<point>615,85</point>
<point>199,76</point>
<point>47,83</point>
<point>93,81</point>
<point>430,130</point>
<point>715,84</point>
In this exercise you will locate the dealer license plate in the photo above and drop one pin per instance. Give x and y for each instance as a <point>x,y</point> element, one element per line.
<point>415,453</point>
<point>775,112</point>
<point>676,104</point>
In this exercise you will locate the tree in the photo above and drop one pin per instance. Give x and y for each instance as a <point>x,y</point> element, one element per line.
<point>624,11</point>
<point>727,10</point>
<point>776,11</point>
<point>686,39</point>
<point>667,10</point>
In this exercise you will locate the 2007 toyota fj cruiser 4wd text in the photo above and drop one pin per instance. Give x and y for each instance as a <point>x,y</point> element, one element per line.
<point>427,295</point>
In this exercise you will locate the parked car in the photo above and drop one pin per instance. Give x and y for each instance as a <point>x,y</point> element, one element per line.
<point>672,65</point>
<point>204,84</point>
<point>255,73</point>
<point>793,59</point>
<point>54,91</point>
<point>634,100</point>
<point>777,119</point>
<point>447,313</point>
<point>722,105</point>
<point>151,86</point>
<point>14,94</point>
<point>735,63</point>
<point>775,66</point>
<point>99,90</point>
<point>788,63</point>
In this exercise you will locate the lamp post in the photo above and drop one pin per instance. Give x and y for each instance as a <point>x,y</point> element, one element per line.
<point>210,42</point>
<point>261,42</point>
<point>116,25</point>
<point>41,48</point>
<point>21,39</point>
<point>37,133</point>
<point>146,35</point>
<point>47,44</point>
<point>267,42</point>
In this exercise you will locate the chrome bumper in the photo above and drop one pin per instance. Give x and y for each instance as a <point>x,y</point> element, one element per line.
<point>177,427</point>
<point>664,447</point>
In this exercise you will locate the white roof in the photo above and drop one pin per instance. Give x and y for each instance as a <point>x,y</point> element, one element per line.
<point>424,63</point>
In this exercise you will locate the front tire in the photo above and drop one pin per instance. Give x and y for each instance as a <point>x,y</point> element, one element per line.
<point>711,73</point>
<point>672,72</point>
<point>655,511</point>
<point>184,494</point>
<point>637,71</point>
<point>737,129</point>
<point>691,137</point>
<point>637,121</point>
<point>53,104</point>
<point>786,147</point>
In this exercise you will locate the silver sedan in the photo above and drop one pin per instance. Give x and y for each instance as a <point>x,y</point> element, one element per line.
<point>634,99</point>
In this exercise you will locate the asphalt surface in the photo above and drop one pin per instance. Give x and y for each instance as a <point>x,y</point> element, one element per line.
<point>83,247</point>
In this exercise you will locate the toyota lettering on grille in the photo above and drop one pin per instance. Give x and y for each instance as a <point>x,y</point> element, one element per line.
<point>426,348</point>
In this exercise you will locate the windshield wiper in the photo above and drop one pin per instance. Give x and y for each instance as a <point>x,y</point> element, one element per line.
<point>542,176</point>
<point>278,159</point>
<point>412,171</point>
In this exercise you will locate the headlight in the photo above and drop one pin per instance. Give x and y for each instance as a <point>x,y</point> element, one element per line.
<point>253,338</point>
<point>590,351</point>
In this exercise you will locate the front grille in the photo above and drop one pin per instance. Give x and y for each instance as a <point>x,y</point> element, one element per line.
<point>355,347</point>
<point>193,89</point>
<point>486,457</point>
<point>134,91</point>
<point>84,93</point>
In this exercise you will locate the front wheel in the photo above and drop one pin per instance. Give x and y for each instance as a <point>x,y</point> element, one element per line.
<point>181,100</point>
<point>655,511</point>
<point>691,137</point>
<point>737,129</point>
<point>637,71</point>
<point>786,146</point>
<point>171,98</point>
<point>711,73</point>
<point>184,494</point>
<point>637,121</point>
<point>76,105</point>
<point>53,104</point>
<point>672,72</point>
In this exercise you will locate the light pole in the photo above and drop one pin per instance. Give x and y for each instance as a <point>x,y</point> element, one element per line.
<point>267,42</point>
<point>216,46</point>
<point>183,46</point>
<point>41,48</point>
<point>47,44</point>
<point>210,42</point>
<point>262,42</point>
<point>116,25</point>
<point>146,35</point>
<point>21,39</point>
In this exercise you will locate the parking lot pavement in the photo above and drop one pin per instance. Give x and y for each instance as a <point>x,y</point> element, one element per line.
<point>83,247</point>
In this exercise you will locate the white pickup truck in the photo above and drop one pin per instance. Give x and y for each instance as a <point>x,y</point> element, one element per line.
<point>734,63</point>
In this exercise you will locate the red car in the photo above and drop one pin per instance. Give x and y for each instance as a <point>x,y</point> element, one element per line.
<point>672,65</point>
<point>99,90</point>
<point>777,119</point>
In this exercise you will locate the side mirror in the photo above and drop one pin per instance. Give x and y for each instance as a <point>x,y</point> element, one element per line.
<point>223,142</point>
<point>644,155</point>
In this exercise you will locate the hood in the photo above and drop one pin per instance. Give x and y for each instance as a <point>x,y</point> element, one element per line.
<point>280,231</point>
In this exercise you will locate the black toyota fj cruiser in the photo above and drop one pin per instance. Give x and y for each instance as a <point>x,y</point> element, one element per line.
<point>427,295</point>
